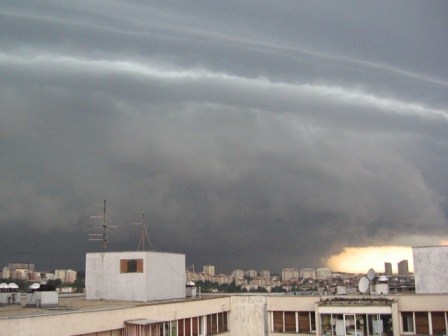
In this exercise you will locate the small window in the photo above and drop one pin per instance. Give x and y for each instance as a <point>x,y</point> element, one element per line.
<point>407,319</point>
<point>131,266</point>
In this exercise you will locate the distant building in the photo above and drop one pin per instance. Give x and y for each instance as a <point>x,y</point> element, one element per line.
<point>265,274</point>
<point>209,269</point>
<point>5,273</point>
<point>251,273</point>
<point>238,274</point>
<point>403,268</point>
<point>219,279</point>
<point>431,269</point>
<point>18,271</point>
<point>307,273</point>
<point>388,268</point>
<point>60,274</point>
<point>323,273</point>
<point>70,276</point>
<point>289,273</point>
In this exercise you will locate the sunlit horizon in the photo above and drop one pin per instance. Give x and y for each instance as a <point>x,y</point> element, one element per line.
<point>361,259</point>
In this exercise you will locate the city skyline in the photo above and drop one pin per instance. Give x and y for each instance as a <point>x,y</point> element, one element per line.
<point>251,134</point>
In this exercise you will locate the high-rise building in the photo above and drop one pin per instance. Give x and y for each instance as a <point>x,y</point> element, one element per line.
<point>209,269</point>
<point>324,273</point>
<point>388,268</point>
<point>251,273</point>
<point>20,270</point>
<point>60,274</point>
<point>265,274</point>
<point>70,276</point>
<point>238,274</point>
<point>403,268</point>
<point>307,273</point>
<point>289,273</point>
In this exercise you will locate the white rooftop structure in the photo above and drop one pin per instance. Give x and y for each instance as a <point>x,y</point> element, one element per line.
<point>431,269</point>
<point>135,276</point>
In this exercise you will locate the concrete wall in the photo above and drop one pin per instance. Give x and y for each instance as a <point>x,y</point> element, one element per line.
<point>431,269</point>
<point>248,316</point>
<point>42,299</point>
<point>163,276</point>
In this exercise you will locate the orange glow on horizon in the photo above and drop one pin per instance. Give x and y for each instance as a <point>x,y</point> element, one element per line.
<point>360,259</point>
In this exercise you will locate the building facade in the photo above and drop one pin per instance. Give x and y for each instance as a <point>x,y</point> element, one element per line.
<point>265,274</point>
<point>209,269</point>
<point>403,268</point>
<point>323,273</point>
<point>251,273</point>
<point>388,268</point>
<point>246,315</point>
<point>289,273</point>
<point>238,274</point>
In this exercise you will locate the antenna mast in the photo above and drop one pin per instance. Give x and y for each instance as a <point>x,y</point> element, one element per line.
<point>105,227</point>
<point>143,234</point>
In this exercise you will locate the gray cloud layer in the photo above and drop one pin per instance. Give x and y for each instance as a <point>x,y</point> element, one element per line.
<point>257,134</point>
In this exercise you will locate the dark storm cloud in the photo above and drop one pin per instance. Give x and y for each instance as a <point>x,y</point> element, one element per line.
<point>254,135</point>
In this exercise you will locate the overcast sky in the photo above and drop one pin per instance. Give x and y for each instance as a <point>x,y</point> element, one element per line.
<point>253,134</point>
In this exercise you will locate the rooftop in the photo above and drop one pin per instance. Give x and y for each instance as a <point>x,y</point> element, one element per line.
<point>74,303</point>
<point>356,301</point>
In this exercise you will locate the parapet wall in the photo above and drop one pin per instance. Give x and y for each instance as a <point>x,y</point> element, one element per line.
<point>248,316</point>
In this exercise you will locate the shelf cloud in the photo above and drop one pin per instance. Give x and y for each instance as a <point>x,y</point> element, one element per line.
<point>252,135</point>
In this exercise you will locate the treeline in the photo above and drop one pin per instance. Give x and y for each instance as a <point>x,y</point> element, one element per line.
<point>24,285</point>
<point>213,287</point>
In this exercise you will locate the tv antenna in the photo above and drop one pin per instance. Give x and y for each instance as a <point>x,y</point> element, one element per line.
<point>105,227</point>
<point>144,235</point>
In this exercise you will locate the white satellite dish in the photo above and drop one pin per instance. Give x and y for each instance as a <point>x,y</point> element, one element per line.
<point>363,285</point>
<point>35,286</point>
<point>12,285</point>
<point>383,278</point>
<point>371,274</point>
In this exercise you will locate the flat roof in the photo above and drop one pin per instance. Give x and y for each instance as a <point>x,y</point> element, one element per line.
<point>76,303</point>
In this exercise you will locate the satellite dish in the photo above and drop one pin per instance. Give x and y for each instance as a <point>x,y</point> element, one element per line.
<point>383,278</point>
<point>4,286</point>
<point>12,285</point>
<point>371,274</point>
<point>363,285</point>
<point>35,286</point>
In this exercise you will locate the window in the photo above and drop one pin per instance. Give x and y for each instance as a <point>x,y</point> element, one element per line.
<point>304,322</point>
<point>217,323</point>
<point>438,323</point>
<point>421,323</point>
<point>326,324</point>
<point>293,322</point>
<point>375,325</point>
<point>131,266</point>
<point>407,320</point>
<point>356,324</point>
<point>290,321</point>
